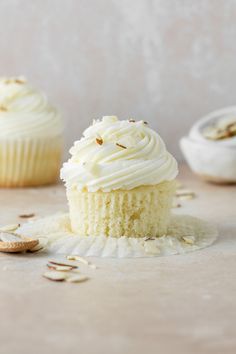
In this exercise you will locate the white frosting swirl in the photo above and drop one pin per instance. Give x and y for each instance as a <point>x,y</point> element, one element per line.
<point>115,154</point>
<point>25,112</point>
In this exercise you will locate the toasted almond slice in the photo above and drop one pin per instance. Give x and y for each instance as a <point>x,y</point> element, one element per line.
<point>59,267</point>
<point>71,258</point>
<point>99,141</point>
<point>189,239</point>
<point>27,216</point>
<point>6,236</point>
<point>122,146</point>
<point>3,108</point>
<point>185,194</point>
<point>41,245</point>
<point>20,81</point>
<point>55,276</point>
<point>11,227</point>
<point>78,278</point>
<point>11,242</point>
<point>62,263</point>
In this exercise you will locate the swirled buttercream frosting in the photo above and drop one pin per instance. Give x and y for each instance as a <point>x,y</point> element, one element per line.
<point>118,154</point>
<point>25,112</point>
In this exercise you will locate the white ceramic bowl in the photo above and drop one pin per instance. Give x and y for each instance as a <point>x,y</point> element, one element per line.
<point>213,160</point>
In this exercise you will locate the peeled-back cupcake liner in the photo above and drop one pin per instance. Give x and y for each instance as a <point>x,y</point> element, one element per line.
<point>185,234</point>
<point>29,162</point>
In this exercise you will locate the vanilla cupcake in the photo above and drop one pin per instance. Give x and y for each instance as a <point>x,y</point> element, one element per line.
<point>120,180</point>
<point>30,136</point>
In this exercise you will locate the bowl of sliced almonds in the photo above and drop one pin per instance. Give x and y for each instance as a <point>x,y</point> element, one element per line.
<point>210,147</point>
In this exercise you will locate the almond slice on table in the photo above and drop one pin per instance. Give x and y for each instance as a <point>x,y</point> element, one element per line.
<point>81,260</point>
<point>185,194</point>
<point>78,278</point>
<point>11,242</point>
<point>26,216</point>
<point>62,263</point>
<point>60,268</point>
<point>78,258</point>
<point>11,227</point>
<point>42,245</point>
<point>55,275</point>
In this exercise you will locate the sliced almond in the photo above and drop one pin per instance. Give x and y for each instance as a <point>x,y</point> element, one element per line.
<point>62,263</point>
<point>122,146</point>
<point>27,216</point>
<point>55,276</point>
<point>99,141</point>
<point>10,242</point>
<point>11,227</point>
<point>20,81</point>
<point>78,258</point>
<point>3,108</point>
<point>41,245</point>
<point>9,237</point>
<point>189,239</point>
<point>82,260</point>
<point>223,129</point>
<point>71,258</point>
<point>185,194</point>
<point>77,278</point>
<point>59,267</point>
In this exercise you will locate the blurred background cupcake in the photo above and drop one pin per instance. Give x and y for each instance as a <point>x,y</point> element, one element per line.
<point>210,146</point>
<point>30,136</point>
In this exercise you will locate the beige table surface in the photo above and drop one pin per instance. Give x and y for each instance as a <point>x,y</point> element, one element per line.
<point>176,304</point>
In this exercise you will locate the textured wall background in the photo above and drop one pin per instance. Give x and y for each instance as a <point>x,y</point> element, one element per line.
<point>165,61</point>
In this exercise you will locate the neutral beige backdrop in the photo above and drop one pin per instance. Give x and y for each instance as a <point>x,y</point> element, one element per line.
<point>165,61</point>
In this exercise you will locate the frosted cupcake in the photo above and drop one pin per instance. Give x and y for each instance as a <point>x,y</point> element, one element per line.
<point>30,136</point>
<point>120,180</point>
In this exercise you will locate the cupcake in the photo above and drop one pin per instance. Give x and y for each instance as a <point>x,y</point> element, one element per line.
<point>120,180</point>
<point>210,146</point>
<point>30,136</point>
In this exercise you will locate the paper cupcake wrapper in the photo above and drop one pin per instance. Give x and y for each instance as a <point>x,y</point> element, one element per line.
<point>185,234</point>
<point>29,162</point>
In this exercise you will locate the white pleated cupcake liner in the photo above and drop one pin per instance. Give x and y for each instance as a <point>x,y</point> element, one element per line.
<point>29,161</point>
<point>185,234</point>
